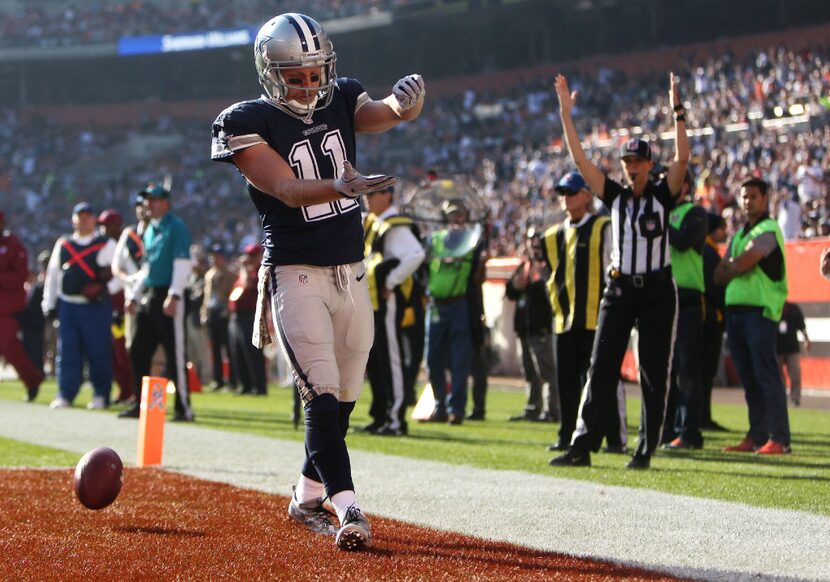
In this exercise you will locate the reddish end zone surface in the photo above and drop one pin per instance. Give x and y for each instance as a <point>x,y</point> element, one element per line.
<point>165,526</point>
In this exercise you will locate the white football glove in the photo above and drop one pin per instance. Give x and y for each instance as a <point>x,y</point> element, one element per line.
<point>352,183</point>
<point>408,91</point>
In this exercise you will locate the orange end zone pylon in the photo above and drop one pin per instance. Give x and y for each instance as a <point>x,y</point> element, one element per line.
<point>151,421</point>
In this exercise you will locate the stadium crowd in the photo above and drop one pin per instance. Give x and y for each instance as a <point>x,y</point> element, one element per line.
<point>102,22</point>
<point>512,142</point>
<point>758,125</point>
<point>509,141</point>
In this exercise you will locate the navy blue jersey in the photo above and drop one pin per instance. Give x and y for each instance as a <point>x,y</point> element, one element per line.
<point>323,234</point>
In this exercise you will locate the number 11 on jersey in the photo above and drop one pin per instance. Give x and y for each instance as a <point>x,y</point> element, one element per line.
<point>304,162</point>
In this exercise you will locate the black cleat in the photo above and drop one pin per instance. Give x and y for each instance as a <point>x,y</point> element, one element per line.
<point>573,458</point>
<point>389,431</point>
<point>184,417</point>
<point>528,416</point>
<point>714,426</point>
<point>133,411</point>
<point>639,462</point>
<point>373,427</point>
<point>437,416</point>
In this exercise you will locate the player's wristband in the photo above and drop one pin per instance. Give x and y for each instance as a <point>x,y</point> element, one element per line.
<point>680,116</point>
<point>678,107</point>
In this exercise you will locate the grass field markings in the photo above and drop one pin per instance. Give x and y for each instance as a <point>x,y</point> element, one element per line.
<point>17,453</point>
<point>502,445</point>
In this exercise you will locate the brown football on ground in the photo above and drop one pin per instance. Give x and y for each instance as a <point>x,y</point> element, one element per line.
<point>98,478</point>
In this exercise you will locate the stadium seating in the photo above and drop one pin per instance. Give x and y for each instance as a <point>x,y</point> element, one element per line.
<point>762,114</point>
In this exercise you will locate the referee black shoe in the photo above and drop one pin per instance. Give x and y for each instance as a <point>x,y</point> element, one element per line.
<point>373,427</point>
<point>573,458</point>
<point>639,462</point>
<point>133,411</point>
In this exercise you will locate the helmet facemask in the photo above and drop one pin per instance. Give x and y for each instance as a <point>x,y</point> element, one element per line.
<point>277,85</point>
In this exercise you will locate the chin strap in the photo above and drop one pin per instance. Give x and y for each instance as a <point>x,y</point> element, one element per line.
<point>284,106</point>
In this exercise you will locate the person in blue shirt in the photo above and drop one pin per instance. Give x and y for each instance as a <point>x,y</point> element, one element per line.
<point>156,300</point>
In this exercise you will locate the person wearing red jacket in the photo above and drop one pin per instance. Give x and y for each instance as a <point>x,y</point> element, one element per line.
<point>247,359</point>
<point>14,270</point>
<point>111,223</point>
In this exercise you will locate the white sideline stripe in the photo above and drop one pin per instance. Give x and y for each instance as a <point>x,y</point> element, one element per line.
<point>699,538</point>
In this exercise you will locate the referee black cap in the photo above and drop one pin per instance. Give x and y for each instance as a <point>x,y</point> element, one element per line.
<point>636,148</point>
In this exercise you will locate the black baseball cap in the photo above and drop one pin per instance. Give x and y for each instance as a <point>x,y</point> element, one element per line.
<point>636,148</point>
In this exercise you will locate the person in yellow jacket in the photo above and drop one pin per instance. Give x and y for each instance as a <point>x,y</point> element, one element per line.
<point>393,254</point>
<point>755,274</point>
<point>578,252</point>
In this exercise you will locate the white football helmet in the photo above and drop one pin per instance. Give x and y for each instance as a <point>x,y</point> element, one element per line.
<point>290,41</point>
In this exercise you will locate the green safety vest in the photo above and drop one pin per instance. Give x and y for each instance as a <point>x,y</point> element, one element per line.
<point>754,287</point>
<point>448,277</point>
<point>686,266</point>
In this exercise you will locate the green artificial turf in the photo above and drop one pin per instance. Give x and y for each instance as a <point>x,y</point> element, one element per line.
<point>20,454</point>
<point>797,481</point>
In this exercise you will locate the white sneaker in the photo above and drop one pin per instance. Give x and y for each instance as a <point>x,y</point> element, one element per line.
<point>97,403</point>
<point>59,402</point>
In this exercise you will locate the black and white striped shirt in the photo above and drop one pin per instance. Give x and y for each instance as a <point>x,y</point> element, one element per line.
<point>639,226</point>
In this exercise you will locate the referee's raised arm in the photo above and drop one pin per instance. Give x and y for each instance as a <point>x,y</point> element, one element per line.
<point>593,176</point>
<point>677,171</point>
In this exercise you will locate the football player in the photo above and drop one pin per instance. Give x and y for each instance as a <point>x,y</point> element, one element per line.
<point>295,145</point>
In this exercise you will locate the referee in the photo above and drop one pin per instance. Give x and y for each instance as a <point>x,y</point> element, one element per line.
<point>393,254</point>
<point>640,291</point>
